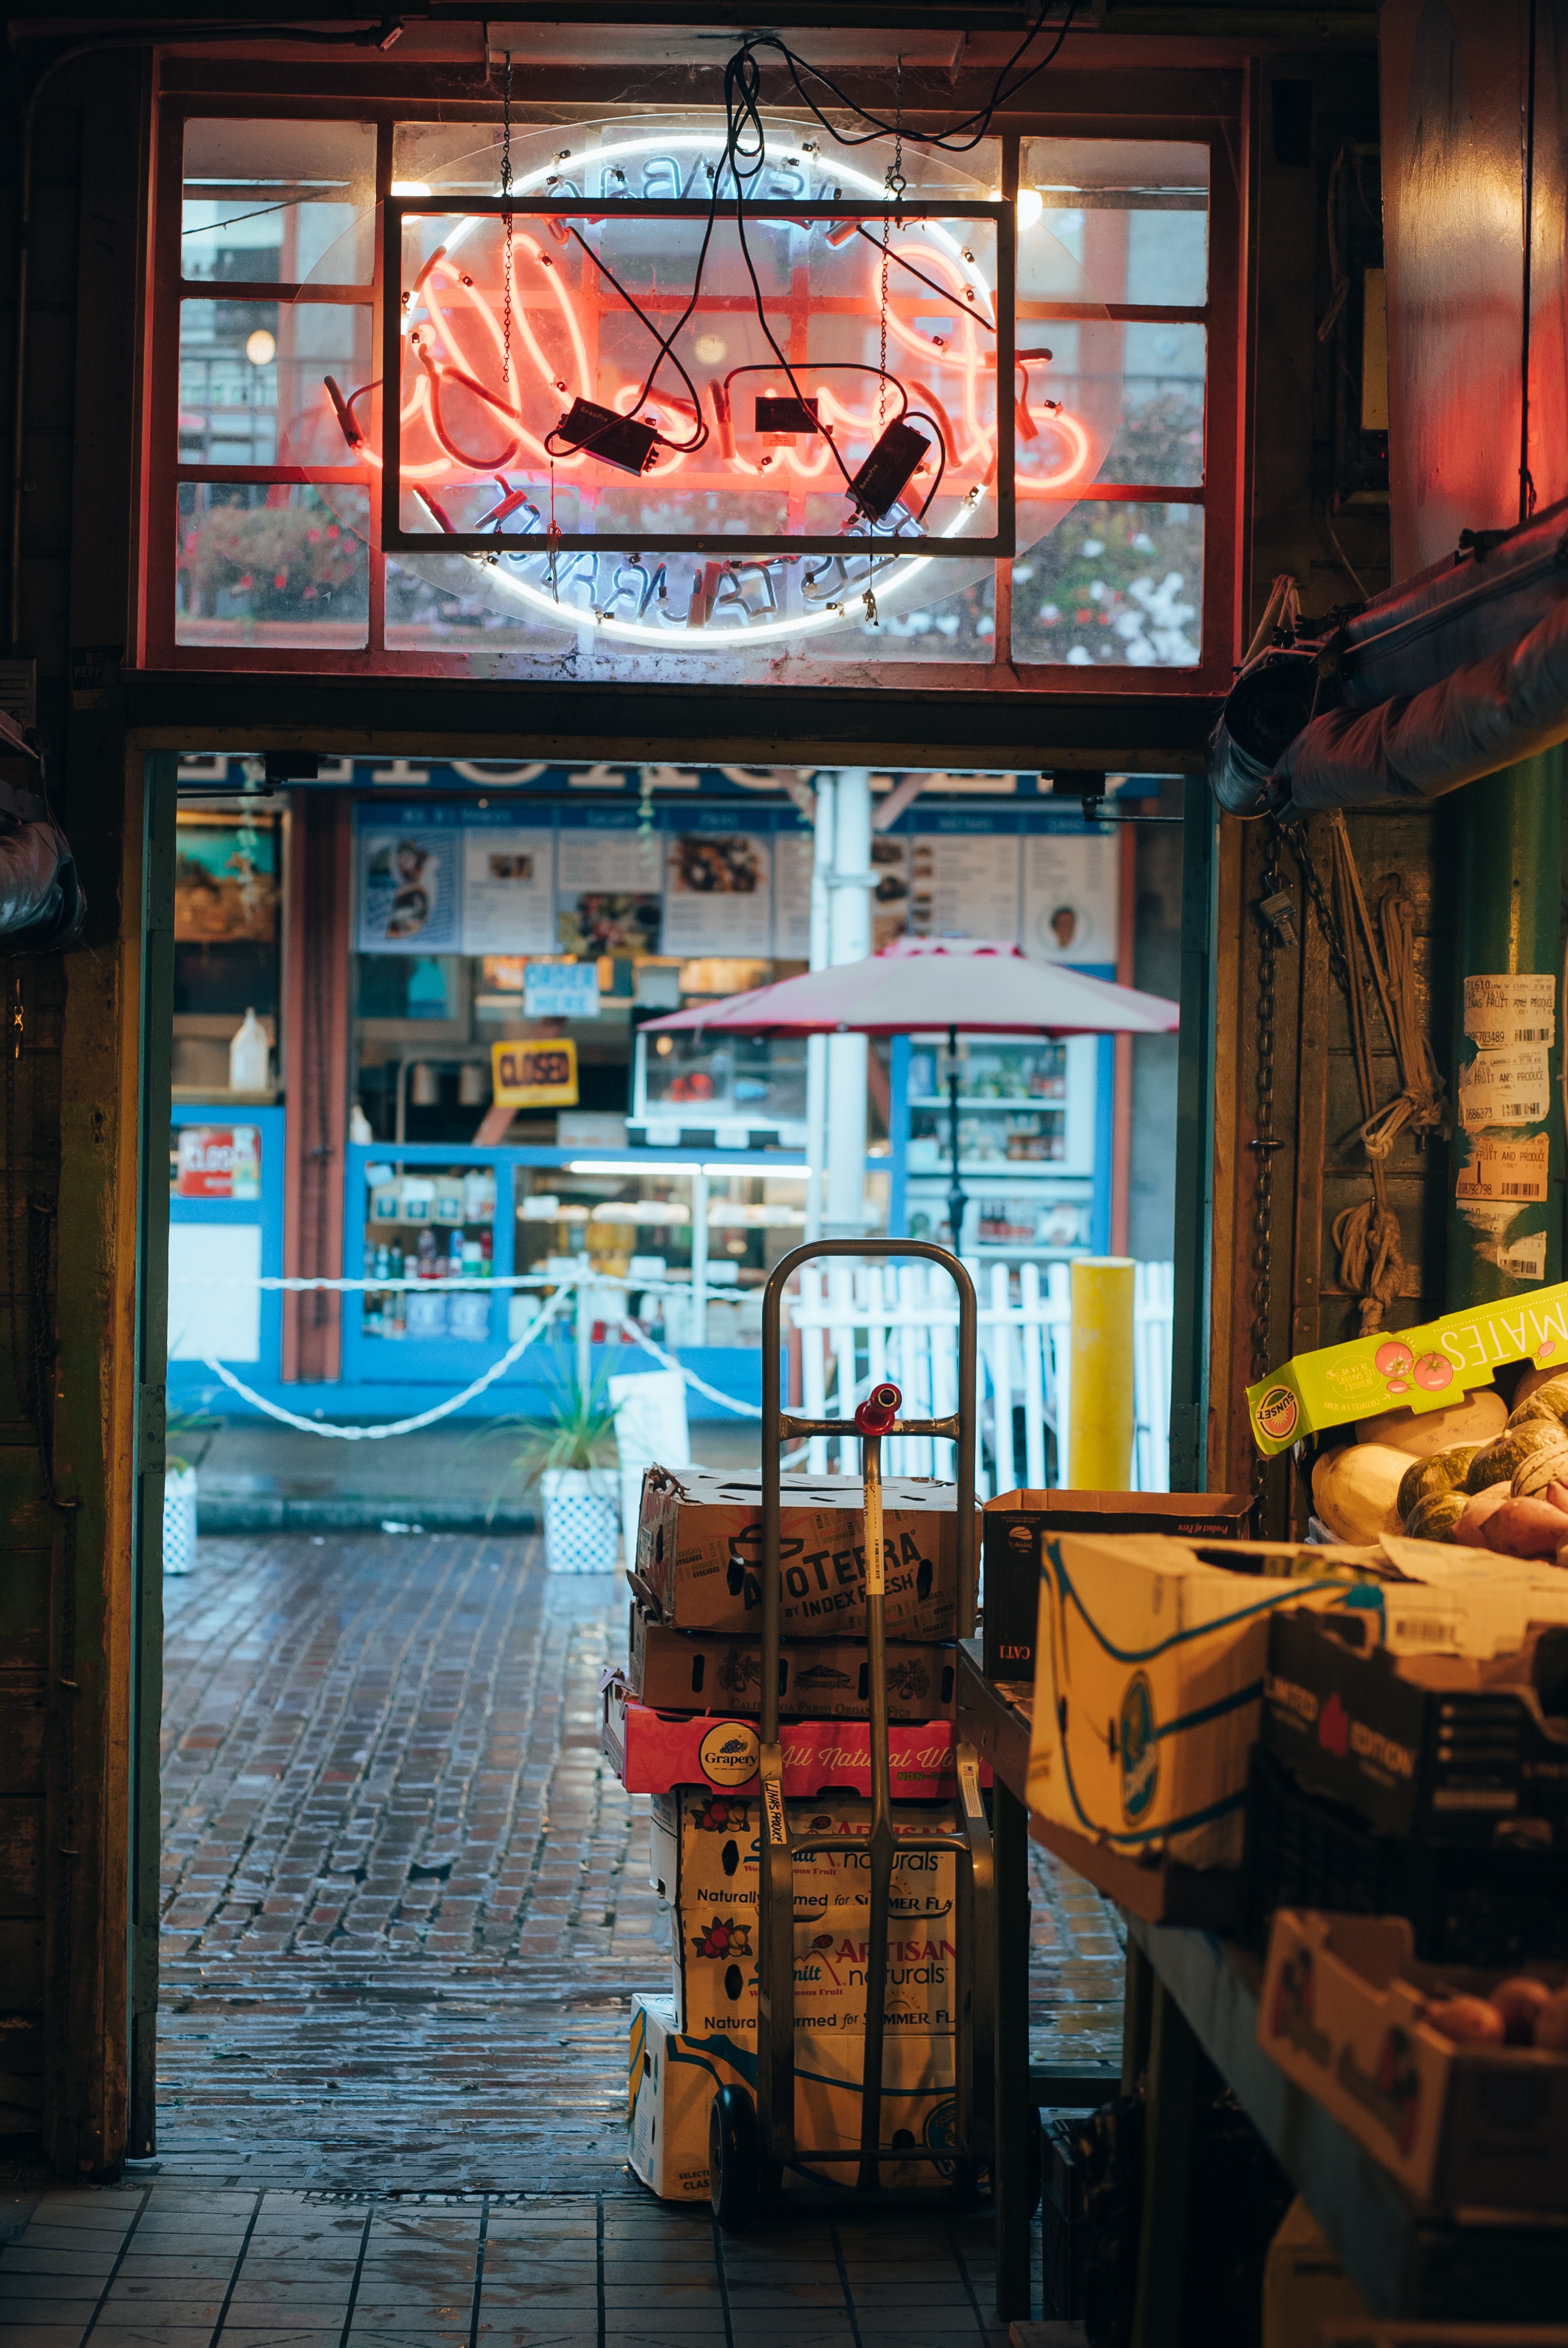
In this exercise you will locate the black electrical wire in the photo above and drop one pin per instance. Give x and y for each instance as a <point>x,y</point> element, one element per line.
<point>678,448</point>
<point>948,296</point>
<point>950,141</point>
<point>832,366</point>
<point>918,415</point>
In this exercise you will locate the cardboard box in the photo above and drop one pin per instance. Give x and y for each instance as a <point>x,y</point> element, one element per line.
<point>706,1861</point>
<point>653,1752</point>
<point>1395,2331</point>
<point>1304,2284</point>
<point>674,2077</point>
<point>690,1671</point>
<point>1443,1747</point>
<point>1422,1369</point>
<point>1149,1684</point>
<point>1011,1527</point>
<point>699,1541</point>
<point>1459,2127</point>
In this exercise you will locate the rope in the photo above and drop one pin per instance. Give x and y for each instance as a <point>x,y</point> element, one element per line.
<point>640,1336</point>
<point>397,1425</point>
<point>1367,1236</point>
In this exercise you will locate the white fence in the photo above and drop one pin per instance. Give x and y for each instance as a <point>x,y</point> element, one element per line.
<point>900,1321</point>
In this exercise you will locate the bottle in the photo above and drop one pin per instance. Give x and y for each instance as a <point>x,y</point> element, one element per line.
<point>250,1056</point>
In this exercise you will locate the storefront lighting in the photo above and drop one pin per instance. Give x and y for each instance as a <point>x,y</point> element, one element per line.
<point>261,348</point>
<point>659,1167</point>
<point>751,1166</point>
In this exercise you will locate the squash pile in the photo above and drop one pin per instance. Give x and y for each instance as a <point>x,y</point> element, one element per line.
<point>1476,1473</point>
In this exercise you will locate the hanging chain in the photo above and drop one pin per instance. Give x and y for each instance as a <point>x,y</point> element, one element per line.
<point>1263,1142</point>
<point>507,227</point>
<point>896,183</point>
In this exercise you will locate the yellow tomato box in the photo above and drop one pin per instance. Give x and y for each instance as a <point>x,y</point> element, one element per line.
<point>1148,1674</point>
<point>1459,2127</point>
<point>1419,1369</point>
<point>673,2077</point>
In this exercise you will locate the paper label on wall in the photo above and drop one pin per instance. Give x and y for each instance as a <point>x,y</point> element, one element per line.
<point>1070,897</point>
<point>1506,1171</point>
<point>1524,1259</point>
<point>794,855</point>
<point>408,891</point>
<point>1510,1009</point>
<point>509,891</point>
<point>718,893</point>
<point>965,885</point>
<point>1511,1087</point>
<point>589,858</point>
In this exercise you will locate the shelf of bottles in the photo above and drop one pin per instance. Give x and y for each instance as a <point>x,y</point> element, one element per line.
<point>435,1225</point>
<point>1026,1143</point>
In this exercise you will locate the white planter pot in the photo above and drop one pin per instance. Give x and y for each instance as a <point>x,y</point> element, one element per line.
<point>179,1521</point>
<point>582,1530</point>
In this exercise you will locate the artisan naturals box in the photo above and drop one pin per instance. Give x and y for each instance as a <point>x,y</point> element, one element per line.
<point>1149,1683</point>
<point>819,1679</point>
<point>673,2076</point>
<point>699,1551</point>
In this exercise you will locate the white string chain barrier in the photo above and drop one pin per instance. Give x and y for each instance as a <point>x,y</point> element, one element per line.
<point>497,1369</point>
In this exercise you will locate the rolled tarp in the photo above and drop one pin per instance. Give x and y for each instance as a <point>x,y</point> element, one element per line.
<point>1488,715</point>
<point>42,908</point>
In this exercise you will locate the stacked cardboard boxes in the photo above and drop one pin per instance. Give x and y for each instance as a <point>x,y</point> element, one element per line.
<point>681,1725</point>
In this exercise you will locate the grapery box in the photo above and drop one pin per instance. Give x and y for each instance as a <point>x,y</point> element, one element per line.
<point>819,1679</point>
<point>673,2077</point>
<point>1012,1525</point>
<point>652,1752</point>
<point>1149,1683</point>
<point>1461,2126</point>
<point>698,1546</point>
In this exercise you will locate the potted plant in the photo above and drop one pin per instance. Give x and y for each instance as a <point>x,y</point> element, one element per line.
<point>569,1454</point>
<point>180,1488</point>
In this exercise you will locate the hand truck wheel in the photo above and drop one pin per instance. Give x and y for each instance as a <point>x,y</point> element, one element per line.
<point>734,2159</point>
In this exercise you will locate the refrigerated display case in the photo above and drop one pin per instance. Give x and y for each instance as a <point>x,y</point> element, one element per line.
<point>697,1091</point>
<point>1030,1120</point>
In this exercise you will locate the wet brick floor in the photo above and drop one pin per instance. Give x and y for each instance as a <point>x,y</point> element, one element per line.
<point>406,1909</point>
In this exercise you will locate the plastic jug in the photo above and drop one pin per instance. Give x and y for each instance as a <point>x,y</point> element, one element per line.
<point>249,1057</point>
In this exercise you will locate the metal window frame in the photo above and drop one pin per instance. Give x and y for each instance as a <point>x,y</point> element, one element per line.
<point>396,539</point>
<point>1219,495</point>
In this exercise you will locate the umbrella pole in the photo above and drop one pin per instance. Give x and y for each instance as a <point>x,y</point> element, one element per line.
<point>957,1198</point>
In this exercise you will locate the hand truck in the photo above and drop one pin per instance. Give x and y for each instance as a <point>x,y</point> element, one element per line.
<point>750,2144</point>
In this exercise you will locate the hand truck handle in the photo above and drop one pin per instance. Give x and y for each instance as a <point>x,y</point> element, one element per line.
<point>777,1426</point>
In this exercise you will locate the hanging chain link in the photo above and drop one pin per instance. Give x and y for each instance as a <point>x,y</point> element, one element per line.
<point>507,227</point>
<point>896,183</point>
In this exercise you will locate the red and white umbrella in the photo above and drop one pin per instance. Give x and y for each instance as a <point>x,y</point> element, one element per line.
<point>922,985</point>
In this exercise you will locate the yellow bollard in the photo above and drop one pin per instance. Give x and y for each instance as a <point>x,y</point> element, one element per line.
<point>1099,1433</point>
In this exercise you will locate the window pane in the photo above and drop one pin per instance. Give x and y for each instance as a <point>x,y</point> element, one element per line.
<point>1132,213</point>
<point>279,201</point>
<point>251,387</point>
<point>258,566</point>
<point>1115,586</point>
<point>1161,439</point>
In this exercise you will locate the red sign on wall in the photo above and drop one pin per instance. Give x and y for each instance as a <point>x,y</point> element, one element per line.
<point>219,1161</point>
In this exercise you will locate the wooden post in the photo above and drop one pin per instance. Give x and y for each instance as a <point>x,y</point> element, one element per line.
<point>315,1074</point>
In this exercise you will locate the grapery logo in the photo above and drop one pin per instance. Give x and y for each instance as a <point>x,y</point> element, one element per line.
<point>1276,1414</point>
<point>728,1754</point>
<point>1139,1749</point>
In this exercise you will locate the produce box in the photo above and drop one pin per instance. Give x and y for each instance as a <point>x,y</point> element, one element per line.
<point>1063,2228</point>
<point>1397,2331</point>
<point>705,1862</point>
<point>1470,2126</point>
<point>1486,1903</point>
<point>1304,2284</point>
<point>691,1670</point>
<point>1417,1369</point>
<point>1149,1684</point>
<point>1011,1527</point>
<point>1443,1747</point>
<point>699,1540</point>
<point>653,1752</point>
<point>674,2077</point>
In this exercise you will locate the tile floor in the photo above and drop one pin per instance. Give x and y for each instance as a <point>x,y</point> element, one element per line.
<point>406,1909</point>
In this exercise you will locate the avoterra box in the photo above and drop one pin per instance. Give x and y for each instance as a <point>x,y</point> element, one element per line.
<point>1419,1369</point>
<point>820,1679</point>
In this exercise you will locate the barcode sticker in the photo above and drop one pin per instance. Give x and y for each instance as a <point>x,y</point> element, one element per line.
<point>1508,1087</point>
<point>1512,1007</point>
<point>1505,1169</point>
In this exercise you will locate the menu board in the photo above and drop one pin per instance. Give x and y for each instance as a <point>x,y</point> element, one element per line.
<point>794,855</point>
<point>410,879</point>
<point>608,891</point>
<point>718,890</point>
<point>508,890</point>
<point>964,884</point>
<point>1071,897</point>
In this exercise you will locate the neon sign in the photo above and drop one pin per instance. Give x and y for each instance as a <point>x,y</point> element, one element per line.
<point>614,408</point>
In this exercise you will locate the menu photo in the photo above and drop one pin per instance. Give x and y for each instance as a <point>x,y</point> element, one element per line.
<point>408,891</point>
